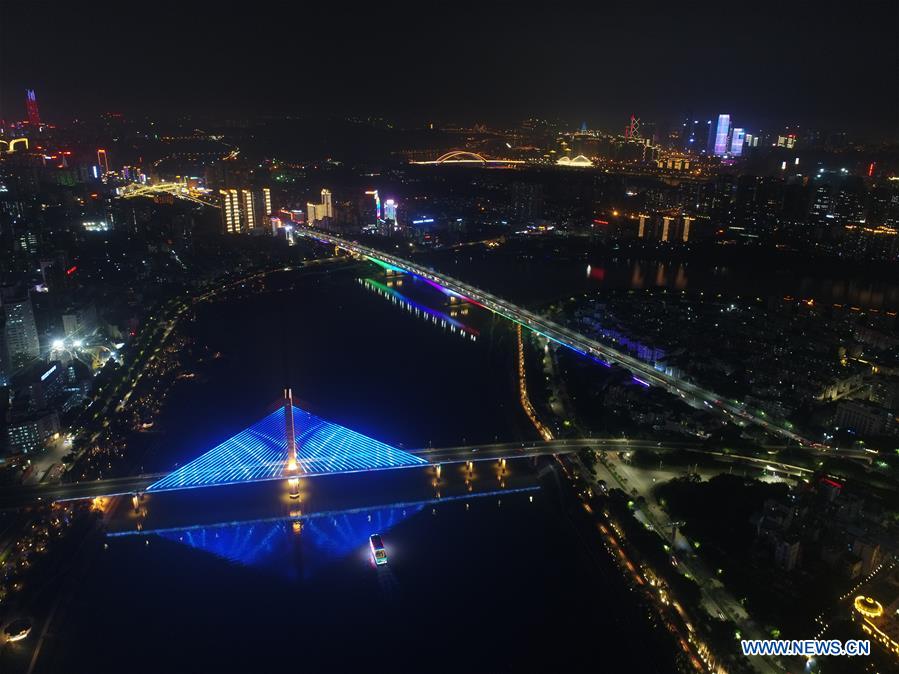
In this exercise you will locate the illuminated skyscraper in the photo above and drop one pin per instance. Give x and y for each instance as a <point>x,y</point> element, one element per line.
<point>721,133</point>
<point>20,331</point>
<point>103,161</point>
<point>377,197</point>
<point>390,210</point>
<point>318,212</point>
<point>230,211</point>
<point>248,210</point>
<point>34,117</point>
<point>245,210</point>
<point>736,142</point>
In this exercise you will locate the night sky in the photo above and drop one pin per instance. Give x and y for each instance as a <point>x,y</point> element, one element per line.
<point>822,64</point>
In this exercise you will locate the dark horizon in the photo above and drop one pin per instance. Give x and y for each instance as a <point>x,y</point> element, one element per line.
<point>821,65</point>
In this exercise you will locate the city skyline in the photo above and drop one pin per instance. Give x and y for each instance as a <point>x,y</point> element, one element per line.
<point>432,330</point>
<point>591,65</point>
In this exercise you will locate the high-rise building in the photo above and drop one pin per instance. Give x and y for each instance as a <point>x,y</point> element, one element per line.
<point>230,211</point>
<point>245,210</point>
<point>686,231</point>
<point>710,137</point>
<point>19,331</point>
<point>736,143</point>
<point>103,161</point>
<point>721,133</point>
<point>34,117</point>
<point>374,193</point>
<point>390,210</point>
<point>318,212</point>
<point>248,204</point>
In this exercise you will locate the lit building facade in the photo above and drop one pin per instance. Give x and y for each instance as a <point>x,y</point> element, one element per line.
<point>736,143</point>
<point>321,211</point>
<point>390,210</point>
<point>245,210</point>
<point>30,435</point>
<point>20,332</point>
<point>722,130</point>
<point>230,211</point>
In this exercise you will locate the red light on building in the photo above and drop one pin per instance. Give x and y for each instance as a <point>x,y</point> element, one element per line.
<point>596,273</point>
<point>871,168</point>
<point>600,222</point>
<point>71,270</point>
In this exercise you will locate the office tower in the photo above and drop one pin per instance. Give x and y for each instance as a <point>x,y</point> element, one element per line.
<point>721,132</point>
<point>690,131</point>
<point>312,213</point>
<point>318,212</point>
<point>103,161</point>
<point>377,197</point>
<point>34,117</point>
<point>736,142</point>
<point>20,330</point>
<point>267,200</point>
<point>821,212</point>
<point>390,210</point>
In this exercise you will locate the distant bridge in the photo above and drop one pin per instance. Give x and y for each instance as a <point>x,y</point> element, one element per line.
<point>644,374</point>
<point>466,157</point>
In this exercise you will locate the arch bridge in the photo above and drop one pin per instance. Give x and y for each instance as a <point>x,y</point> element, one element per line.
<point>9,146</point>
<point>468,157</point>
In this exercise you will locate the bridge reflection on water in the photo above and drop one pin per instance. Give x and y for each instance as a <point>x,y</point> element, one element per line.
<point>318,540</point>
<point>257,525</point>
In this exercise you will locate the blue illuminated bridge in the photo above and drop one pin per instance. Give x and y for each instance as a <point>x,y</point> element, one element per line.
<point>644,373</point>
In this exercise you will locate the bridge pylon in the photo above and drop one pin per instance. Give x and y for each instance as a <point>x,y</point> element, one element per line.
<point>292,469</point>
